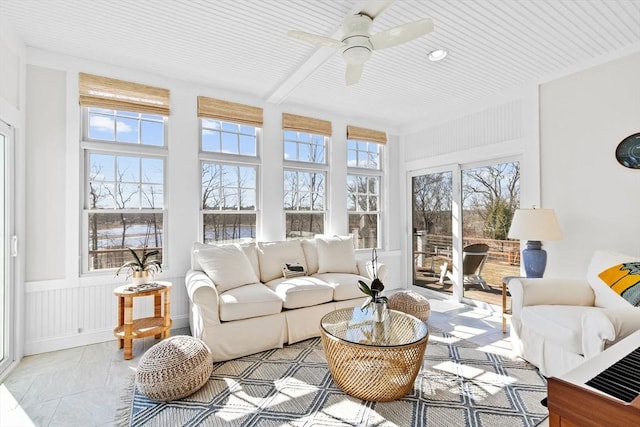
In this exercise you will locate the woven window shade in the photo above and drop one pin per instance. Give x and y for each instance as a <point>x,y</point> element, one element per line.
<point>306,124</point>
<point>104,92</point>
<point>362,134</point>
<point>226,111</point>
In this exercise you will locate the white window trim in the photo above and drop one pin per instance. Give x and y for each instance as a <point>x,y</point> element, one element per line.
<point>235,160</point>
<point>89,146</point>
<point>374,172</point>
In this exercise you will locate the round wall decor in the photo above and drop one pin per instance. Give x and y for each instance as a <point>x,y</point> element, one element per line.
<point>628,151</point>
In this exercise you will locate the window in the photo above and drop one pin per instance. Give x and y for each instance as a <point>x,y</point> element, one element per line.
<point>363,193</point>
<point>229,157</point>
<point>304,203</point>
<point>304,147</point>
<point>124,150</point>
<point>363,185</point>
<point>228,202</point>
<point>305,175</point>
<point>230,138</point>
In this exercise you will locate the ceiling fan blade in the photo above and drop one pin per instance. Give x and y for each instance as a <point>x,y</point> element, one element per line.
<point>374,8</point>
<point>353,73</point>
<point>401,34</point>
<point>315,39</point>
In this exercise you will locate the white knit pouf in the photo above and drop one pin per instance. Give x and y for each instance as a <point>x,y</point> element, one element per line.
<point>174,368</point>
<point>411,303</point>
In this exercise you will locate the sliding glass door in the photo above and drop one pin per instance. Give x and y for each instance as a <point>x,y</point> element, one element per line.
<point>6,183</point>
<point>490,196</point>
<point>461,216</point>
<point>432,197</point>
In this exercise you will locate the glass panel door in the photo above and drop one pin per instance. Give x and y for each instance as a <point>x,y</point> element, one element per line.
<point>432,224</point>
<point>5,252</point>
<point>490,196</point>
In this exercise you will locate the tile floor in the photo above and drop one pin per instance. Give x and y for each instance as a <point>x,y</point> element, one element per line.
<point>82,386</point>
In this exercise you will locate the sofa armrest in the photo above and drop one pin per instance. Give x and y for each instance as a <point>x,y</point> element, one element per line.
<point>549,291</point>
<point>602,328</point>
<point>365,269</point>
<point>203,296</point>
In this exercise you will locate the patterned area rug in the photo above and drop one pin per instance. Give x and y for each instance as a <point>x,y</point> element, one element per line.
<point>458,385</point>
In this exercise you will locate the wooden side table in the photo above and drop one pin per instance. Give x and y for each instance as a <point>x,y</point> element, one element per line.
<point>506,312</point>
<point>129,328</point>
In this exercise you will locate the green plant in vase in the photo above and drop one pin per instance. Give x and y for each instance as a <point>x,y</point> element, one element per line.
<point>140,268</point>
<point>376,302</point>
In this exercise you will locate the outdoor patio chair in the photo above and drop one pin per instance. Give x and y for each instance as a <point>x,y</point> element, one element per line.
<point>473,258</point>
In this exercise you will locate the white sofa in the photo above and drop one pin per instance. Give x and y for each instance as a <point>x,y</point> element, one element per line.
<point>558,323</point>
<point>241,304</point>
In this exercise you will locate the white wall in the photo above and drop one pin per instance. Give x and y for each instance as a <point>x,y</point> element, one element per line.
<point>45,150</point>
<point>583,117</point>
<point>500,129</point>
<point>566,132</point>
<point>66,308</point>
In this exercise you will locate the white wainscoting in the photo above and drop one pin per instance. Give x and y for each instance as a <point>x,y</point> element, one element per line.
<point>59,316</point>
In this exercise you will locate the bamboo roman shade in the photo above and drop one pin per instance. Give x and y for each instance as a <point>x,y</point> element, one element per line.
<point>226,111</point>
<point>104,92</point>
<point>306,124</point>
<point>362,134</point>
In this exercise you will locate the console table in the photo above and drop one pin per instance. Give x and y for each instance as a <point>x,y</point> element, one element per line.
<point>129,328</point>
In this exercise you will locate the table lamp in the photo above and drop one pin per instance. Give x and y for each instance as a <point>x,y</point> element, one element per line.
<point>534,225</point>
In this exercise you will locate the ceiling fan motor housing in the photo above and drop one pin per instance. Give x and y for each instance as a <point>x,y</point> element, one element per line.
<point>356,38</point>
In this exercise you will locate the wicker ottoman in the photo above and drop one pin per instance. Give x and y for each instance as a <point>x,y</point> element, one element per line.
<point>174,368</point>
<point>411,303</point>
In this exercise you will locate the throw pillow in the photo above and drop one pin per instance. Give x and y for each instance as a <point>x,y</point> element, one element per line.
<point>624,280</point>
<point>273,255</point>
<point>336,255</point>
<point>310,249</point>
<point>228,266</point>
<point>605,296</point>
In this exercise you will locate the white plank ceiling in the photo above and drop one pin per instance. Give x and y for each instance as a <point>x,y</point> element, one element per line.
<point>241,45</point>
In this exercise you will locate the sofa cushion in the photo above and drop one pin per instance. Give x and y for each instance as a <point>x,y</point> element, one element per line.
<point>345,285</point>
<point>560,324</point>
<point>273,255</point>
<point>310,248</point>
<point>301,291</point>
<point>252,300</point>
<point>249,249</point>
<point>600,262</point>
<point>336,255</point>
<point>227,266</point>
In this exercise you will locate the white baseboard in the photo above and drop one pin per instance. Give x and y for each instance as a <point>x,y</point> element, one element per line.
<point>77,340</point>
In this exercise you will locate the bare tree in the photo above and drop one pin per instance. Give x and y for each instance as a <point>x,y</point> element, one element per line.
<point>493,193</point>
<point>432,199</point>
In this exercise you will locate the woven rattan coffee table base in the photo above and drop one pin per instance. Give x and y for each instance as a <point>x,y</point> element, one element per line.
<point>375,373</point>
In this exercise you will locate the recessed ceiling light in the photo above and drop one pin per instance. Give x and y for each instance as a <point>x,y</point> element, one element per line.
<point>437,55</point>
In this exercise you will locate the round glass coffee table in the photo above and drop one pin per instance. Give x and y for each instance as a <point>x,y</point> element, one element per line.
<point>376,361</point>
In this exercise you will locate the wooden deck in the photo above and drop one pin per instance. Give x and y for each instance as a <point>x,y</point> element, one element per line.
<point>493,272</point>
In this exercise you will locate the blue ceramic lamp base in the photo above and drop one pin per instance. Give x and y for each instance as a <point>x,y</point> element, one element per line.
<point>534,259</point>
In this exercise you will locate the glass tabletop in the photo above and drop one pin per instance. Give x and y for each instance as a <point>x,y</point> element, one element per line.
<point>357,326</point>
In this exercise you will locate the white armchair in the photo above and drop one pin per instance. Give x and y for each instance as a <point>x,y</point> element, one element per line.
<point>558,323</point>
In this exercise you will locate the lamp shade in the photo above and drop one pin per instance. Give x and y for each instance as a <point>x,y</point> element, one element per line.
<point>535,224</point>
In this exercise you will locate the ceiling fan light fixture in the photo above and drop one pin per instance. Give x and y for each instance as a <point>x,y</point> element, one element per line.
<point>356,54</point>
<point>437,55</point>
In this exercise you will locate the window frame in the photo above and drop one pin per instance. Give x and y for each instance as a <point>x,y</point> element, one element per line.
<point>378,173</point>
<point>296,165</point>
<point>240,160</point>
<point>298,143</point>
<point>90,146</point>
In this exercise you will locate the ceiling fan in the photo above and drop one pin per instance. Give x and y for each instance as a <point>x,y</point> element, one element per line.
<point>357,43</point>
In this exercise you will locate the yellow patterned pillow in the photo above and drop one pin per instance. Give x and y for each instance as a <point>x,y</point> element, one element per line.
<point>624,279</point>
